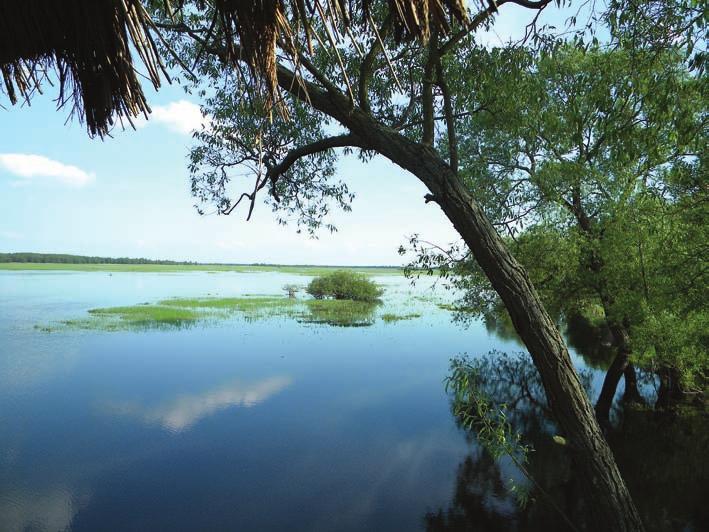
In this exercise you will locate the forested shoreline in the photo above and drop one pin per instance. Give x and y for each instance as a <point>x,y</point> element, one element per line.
<point>63,258</point>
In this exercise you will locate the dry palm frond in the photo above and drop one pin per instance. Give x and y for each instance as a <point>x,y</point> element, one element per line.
<point>261,24</point>
<point>416,18</point>
<point>87,44</point>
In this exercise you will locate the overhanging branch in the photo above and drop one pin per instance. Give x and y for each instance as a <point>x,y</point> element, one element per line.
<point>328,143</point>
<point>274,172</point>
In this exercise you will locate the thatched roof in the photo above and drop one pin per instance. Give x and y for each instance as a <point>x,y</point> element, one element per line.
<point>261,24</point>
<point>87,43</point>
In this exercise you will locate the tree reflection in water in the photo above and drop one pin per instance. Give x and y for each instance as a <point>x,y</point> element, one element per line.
<point>662,459</point>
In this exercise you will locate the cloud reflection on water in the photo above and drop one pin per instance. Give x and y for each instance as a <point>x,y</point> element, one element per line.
<point>182,412</point>
<point>46,509</point>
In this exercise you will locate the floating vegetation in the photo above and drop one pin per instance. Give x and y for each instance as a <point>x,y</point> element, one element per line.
<point>339,312</point>
<point>137,317</point>
<point>454,308</point>
<point>392,318</point>
<point>187,312</point>
<point>250,307</point>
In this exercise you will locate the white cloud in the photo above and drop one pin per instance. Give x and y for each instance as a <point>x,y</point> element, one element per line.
<point>29,166</point>
<point>181,117</point>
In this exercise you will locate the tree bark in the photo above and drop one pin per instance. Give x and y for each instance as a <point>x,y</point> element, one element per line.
<point>613,508</point>
<point>620,366</point>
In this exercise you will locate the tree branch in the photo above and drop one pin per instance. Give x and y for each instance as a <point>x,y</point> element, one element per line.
<point>482,16</point>
<point>450,118</point>
<point>274,172</point>
<point>328,143</point>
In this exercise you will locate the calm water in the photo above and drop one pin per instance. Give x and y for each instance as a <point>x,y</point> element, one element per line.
<point>244,425</point>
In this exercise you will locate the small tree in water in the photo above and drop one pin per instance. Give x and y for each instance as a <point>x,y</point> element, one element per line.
<point>343,284</point>
<point>291,290</point>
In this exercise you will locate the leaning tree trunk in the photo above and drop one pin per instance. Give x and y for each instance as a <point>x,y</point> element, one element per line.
<point>619,367</point>
<point>613,507</point>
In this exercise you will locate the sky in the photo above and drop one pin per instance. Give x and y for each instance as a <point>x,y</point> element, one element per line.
<point>128,195</point>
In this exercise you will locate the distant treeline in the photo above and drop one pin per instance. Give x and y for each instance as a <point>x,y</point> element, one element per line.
<point>62,258</point>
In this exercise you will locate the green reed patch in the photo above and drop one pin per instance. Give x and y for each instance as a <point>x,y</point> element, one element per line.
<point>339,312</point>
<point>138,316</point>
<point>230,303</point>
<point>187,312</point>
<point>392,318</point>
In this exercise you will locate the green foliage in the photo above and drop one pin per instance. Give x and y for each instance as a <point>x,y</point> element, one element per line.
<point>476,412</point>
<point>500,398</point>
<point>344,284</point>
<point>137,317</point>
<point>667,340</point>
<point>593,162</point>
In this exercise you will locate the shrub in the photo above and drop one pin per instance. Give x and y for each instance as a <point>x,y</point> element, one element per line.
<point>344,284</point>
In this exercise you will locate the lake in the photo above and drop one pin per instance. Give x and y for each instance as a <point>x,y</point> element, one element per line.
<point>273,423</point>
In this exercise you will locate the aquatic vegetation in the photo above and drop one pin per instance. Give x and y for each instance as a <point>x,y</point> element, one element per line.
<point>451,307</point>
<point>343,284</point>
<point>138,316</point>
<point>391,318</point>
<point>339,312</point>
<point>231,304</point>
<point>186,312</point>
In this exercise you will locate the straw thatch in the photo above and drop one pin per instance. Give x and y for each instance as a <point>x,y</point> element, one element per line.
<point>86,43</point>
<point>260,24</point>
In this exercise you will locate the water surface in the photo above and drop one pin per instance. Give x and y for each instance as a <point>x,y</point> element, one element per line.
<point>267,424</point>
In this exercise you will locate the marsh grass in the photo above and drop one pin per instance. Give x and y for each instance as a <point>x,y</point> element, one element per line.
<point>180,313</point>
<point>339,312</point>
<point>393,318</point>
<point>242,304</point>
<point>137,317</point>
<point>451,307</point>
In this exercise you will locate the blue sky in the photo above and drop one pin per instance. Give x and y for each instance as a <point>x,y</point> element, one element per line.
<point>61,192</point>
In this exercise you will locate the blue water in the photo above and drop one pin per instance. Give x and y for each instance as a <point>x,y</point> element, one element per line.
<point>263,425</point>
<point>269,424</point>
